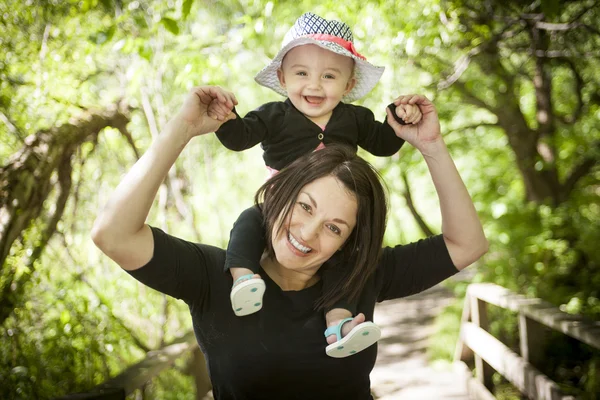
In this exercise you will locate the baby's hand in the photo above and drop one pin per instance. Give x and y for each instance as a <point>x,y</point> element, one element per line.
<point>222,105</point>
<point>410,113</point>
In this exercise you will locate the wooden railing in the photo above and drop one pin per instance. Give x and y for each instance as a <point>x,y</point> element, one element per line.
<point>138,375</point>
<point>490,354</point>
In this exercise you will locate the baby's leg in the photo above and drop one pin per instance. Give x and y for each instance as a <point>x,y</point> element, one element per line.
<point>341,310</point>
<point>347,333</point>
<point>246,245</point>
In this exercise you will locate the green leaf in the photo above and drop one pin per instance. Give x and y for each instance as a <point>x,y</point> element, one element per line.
<point>185,9</point>
<point>65,317</point>
<point>171,25</point>
<point>110,32</point>
<point>144,51</point>
<point>140,21</point>
<point>550,8</point>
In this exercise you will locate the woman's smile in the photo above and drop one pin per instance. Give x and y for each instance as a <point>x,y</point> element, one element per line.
<point>296,245</point>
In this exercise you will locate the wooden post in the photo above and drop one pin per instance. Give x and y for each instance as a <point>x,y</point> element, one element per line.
<point>532,336</point>
<point>197,368</point>
<point>463,352</point>
<point>483,371</point>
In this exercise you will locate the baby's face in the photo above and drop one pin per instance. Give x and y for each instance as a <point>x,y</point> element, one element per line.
<point>316,80</point>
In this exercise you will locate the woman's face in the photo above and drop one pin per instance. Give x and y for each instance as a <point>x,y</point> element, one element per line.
<point>322,218</point>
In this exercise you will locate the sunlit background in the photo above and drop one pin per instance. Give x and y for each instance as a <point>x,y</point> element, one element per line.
<point>519,112</point>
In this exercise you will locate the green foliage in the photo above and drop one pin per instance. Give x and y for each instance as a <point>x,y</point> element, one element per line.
<point>447,328</point>
<point>82,320</point>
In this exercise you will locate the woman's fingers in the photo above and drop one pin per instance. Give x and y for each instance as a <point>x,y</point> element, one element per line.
<point>412,99</point>
<point>218,110</point>
<point>412,107</point>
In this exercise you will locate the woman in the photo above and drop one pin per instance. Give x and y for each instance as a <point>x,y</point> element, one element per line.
<point>328,202</point>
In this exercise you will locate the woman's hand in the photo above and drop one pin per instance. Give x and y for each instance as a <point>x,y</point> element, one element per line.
<point>193,116</point>
<point>423,133</point>
<point>223,105</point>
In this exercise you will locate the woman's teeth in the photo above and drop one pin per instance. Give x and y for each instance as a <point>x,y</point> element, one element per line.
<point>297,245</point>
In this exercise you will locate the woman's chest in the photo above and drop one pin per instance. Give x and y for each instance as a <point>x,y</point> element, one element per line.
<point>279,347</point>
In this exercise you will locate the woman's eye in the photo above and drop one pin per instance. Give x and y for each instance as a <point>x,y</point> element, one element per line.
<point>305,206</point>
<point>334,229</point>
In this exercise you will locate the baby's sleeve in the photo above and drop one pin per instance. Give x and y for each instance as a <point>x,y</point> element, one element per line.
<point>378,138</point>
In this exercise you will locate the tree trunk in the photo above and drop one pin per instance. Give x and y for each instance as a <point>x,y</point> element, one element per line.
<point>541,184</point>
<point>27,180</point>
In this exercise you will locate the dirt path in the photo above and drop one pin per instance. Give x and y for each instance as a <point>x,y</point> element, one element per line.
<point>402,370</point>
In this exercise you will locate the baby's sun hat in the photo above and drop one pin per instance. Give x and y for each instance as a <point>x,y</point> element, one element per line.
<point>334,36</point>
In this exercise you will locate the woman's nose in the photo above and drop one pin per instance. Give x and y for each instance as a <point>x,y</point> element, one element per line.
<point>310,230</point>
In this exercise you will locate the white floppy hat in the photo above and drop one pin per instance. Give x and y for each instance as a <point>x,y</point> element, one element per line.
<point>334,36</point>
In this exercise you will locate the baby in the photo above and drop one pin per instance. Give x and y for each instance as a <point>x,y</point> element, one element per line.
<point>320,72</point>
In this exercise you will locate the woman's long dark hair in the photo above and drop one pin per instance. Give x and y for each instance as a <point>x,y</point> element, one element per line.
<point>361,251</point>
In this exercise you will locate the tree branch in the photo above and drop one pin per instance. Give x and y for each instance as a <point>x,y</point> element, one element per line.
<point>548,26</point>
<point>580,170</point>
<point>579,84</point>
<point>467,94</point>
<point>26,182</point>
<point>12,127</point>
<point>80,276</point>
<point>427,231</point>
<point>130,141</point>
<point>460,66</point>
<point>474,126</point>
<point>462,63</point>
<point>562,54</point>
<point>542,83</point>
<point>82,161</point>
<point>471,98</point>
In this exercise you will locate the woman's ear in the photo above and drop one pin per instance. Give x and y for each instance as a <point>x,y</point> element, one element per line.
<point>281,78</point>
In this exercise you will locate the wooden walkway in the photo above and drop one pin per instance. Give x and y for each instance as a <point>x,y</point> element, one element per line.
<point>402,370</point>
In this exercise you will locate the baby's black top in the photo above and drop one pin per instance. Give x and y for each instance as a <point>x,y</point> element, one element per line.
<point>285,134</point>
<point>279,352</point>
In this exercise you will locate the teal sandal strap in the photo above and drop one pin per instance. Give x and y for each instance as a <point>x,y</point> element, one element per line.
<point>337,329</point>
<point>243,278</point>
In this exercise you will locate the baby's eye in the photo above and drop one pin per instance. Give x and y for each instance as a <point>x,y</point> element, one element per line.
<point>329,76</point>
<point>301,73</point>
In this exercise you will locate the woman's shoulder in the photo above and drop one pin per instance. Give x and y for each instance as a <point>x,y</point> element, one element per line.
<point>411,268</point>
<point>165,242</point>
<point>180,268</point>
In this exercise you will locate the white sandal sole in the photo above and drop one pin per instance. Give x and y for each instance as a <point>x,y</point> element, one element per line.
<point>246,297</point>
<point>359,338</point>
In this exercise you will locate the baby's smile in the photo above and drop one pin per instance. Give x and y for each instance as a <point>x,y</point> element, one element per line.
<point>313,99</point>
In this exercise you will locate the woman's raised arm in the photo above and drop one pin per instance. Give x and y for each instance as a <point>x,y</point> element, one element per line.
<point>120,230</point>
<point>461,227</point>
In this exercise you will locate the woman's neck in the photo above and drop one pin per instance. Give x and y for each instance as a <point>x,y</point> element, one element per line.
<point>288,279</point>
